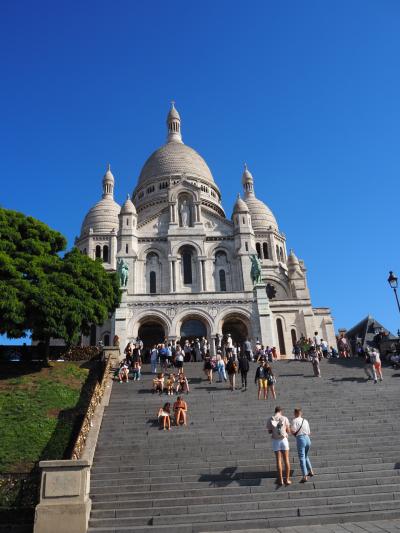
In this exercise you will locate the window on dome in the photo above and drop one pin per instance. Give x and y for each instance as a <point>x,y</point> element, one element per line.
<point>246,245</point>
<point>126,248</point>
<point>277,252</point>
<point>105,254</point>
<point>265,250</point>
<point>258,248</point>
<point>98,251</point>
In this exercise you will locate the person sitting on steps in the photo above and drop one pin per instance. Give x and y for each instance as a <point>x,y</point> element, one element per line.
<point>183,384</point>
<point>164,416</point>
<point>170,384</point>
<point>158,383</point>
<point>180,411</point>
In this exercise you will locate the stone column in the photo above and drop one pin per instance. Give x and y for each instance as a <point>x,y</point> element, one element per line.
<point>173,219</point>
<point>172,274</point>
<point>267,327</point>
<point>120,325</point>
<point>197,214</point>
<point>113,250</point>
<point>200,270</point>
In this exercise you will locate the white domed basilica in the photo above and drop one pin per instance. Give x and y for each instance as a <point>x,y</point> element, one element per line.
<point>186,269</point>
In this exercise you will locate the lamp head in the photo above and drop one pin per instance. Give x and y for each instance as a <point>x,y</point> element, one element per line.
<point>392,280</point>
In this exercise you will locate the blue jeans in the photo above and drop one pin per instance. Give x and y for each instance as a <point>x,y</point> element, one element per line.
<point>303,447</point>
<point>154,367</point>
<point>221,372</point>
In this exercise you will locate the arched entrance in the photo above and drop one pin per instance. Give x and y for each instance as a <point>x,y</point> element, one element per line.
<point>151,332</point>
<point>237,328</point>
<point>191,329</point>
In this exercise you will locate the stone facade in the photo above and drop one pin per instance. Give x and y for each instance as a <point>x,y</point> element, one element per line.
<point>189,266</point>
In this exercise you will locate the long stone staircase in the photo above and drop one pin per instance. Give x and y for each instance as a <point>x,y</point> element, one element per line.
<point>218,474</point>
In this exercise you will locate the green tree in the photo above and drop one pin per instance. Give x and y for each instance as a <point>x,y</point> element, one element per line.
<point>24,244</point>
<point>49,295</point>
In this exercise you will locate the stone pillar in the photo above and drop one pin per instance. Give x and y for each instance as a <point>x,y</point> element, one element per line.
<point>64,497</point>
<point>213,349</point>
<point>172,274</point>
<point>267,327</point>
<point>120,324</point>
<point>113,250</point>
<point>200,270</point>
<point>246,269</point>
<point>204,275</point>
<point>197,214</point>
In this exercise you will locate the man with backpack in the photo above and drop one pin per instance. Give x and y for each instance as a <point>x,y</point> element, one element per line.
<point>279,428</point>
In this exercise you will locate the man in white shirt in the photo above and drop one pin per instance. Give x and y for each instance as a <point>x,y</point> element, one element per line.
<point>300,428</point>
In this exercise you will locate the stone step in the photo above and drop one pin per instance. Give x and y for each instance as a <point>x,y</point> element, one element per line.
<point>194,508</point>
<point>260,471</point>
<point>268,515</point>
<point>218,474</point>
<point>105,504</point>
<point>330,480</point>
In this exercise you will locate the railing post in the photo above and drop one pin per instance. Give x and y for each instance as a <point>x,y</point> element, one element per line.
<point>64,505</point>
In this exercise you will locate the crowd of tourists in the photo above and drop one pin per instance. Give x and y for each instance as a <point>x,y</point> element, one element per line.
<point>230,361</point>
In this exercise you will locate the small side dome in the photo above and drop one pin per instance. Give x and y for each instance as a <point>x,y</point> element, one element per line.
<point>128,207</point>
<point>292,260</point>
<point>102,218</point>
<point>240,206</point>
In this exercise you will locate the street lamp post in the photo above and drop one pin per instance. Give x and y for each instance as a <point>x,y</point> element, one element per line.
<point>393,282</point>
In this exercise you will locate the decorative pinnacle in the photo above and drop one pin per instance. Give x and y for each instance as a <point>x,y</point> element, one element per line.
<point>128,197</point>
<point>172,103</point>
<point>245,166</point>
<point>109,167</point>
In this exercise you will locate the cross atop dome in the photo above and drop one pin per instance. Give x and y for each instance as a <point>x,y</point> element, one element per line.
<point>174,125</point>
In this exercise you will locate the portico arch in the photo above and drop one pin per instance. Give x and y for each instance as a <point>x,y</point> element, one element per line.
<point>238,324</point>
<point>195,316</point>
<point>151,327</point>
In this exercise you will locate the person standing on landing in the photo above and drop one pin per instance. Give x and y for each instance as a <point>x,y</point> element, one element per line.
<point>300,429</point>
<point>271,380</point>
<point>279,428</point>
<point>231,370</point>
<point>243,369</point>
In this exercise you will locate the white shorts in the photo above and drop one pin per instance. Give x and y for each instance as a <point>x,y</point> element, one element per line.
<point>280,445</point>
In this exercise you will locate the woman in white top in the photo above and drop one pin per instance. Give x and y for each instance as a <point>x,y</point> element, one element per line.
<point>300,428</point>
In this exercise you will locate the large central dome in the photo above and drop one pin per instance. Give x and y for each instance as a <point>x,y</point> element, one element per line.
<point>175,158</point>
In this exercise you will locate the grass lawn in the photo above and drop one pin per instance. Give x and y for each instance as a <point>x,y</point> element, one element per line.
<point>38,410</point>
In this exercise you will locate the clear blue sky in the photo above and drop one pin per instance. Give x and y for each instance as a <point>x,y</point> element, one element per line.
<point>306,92</point>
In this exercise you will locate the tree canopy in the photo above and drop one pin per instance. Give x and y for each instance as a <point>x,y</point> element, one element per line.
<point>42,292</point>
